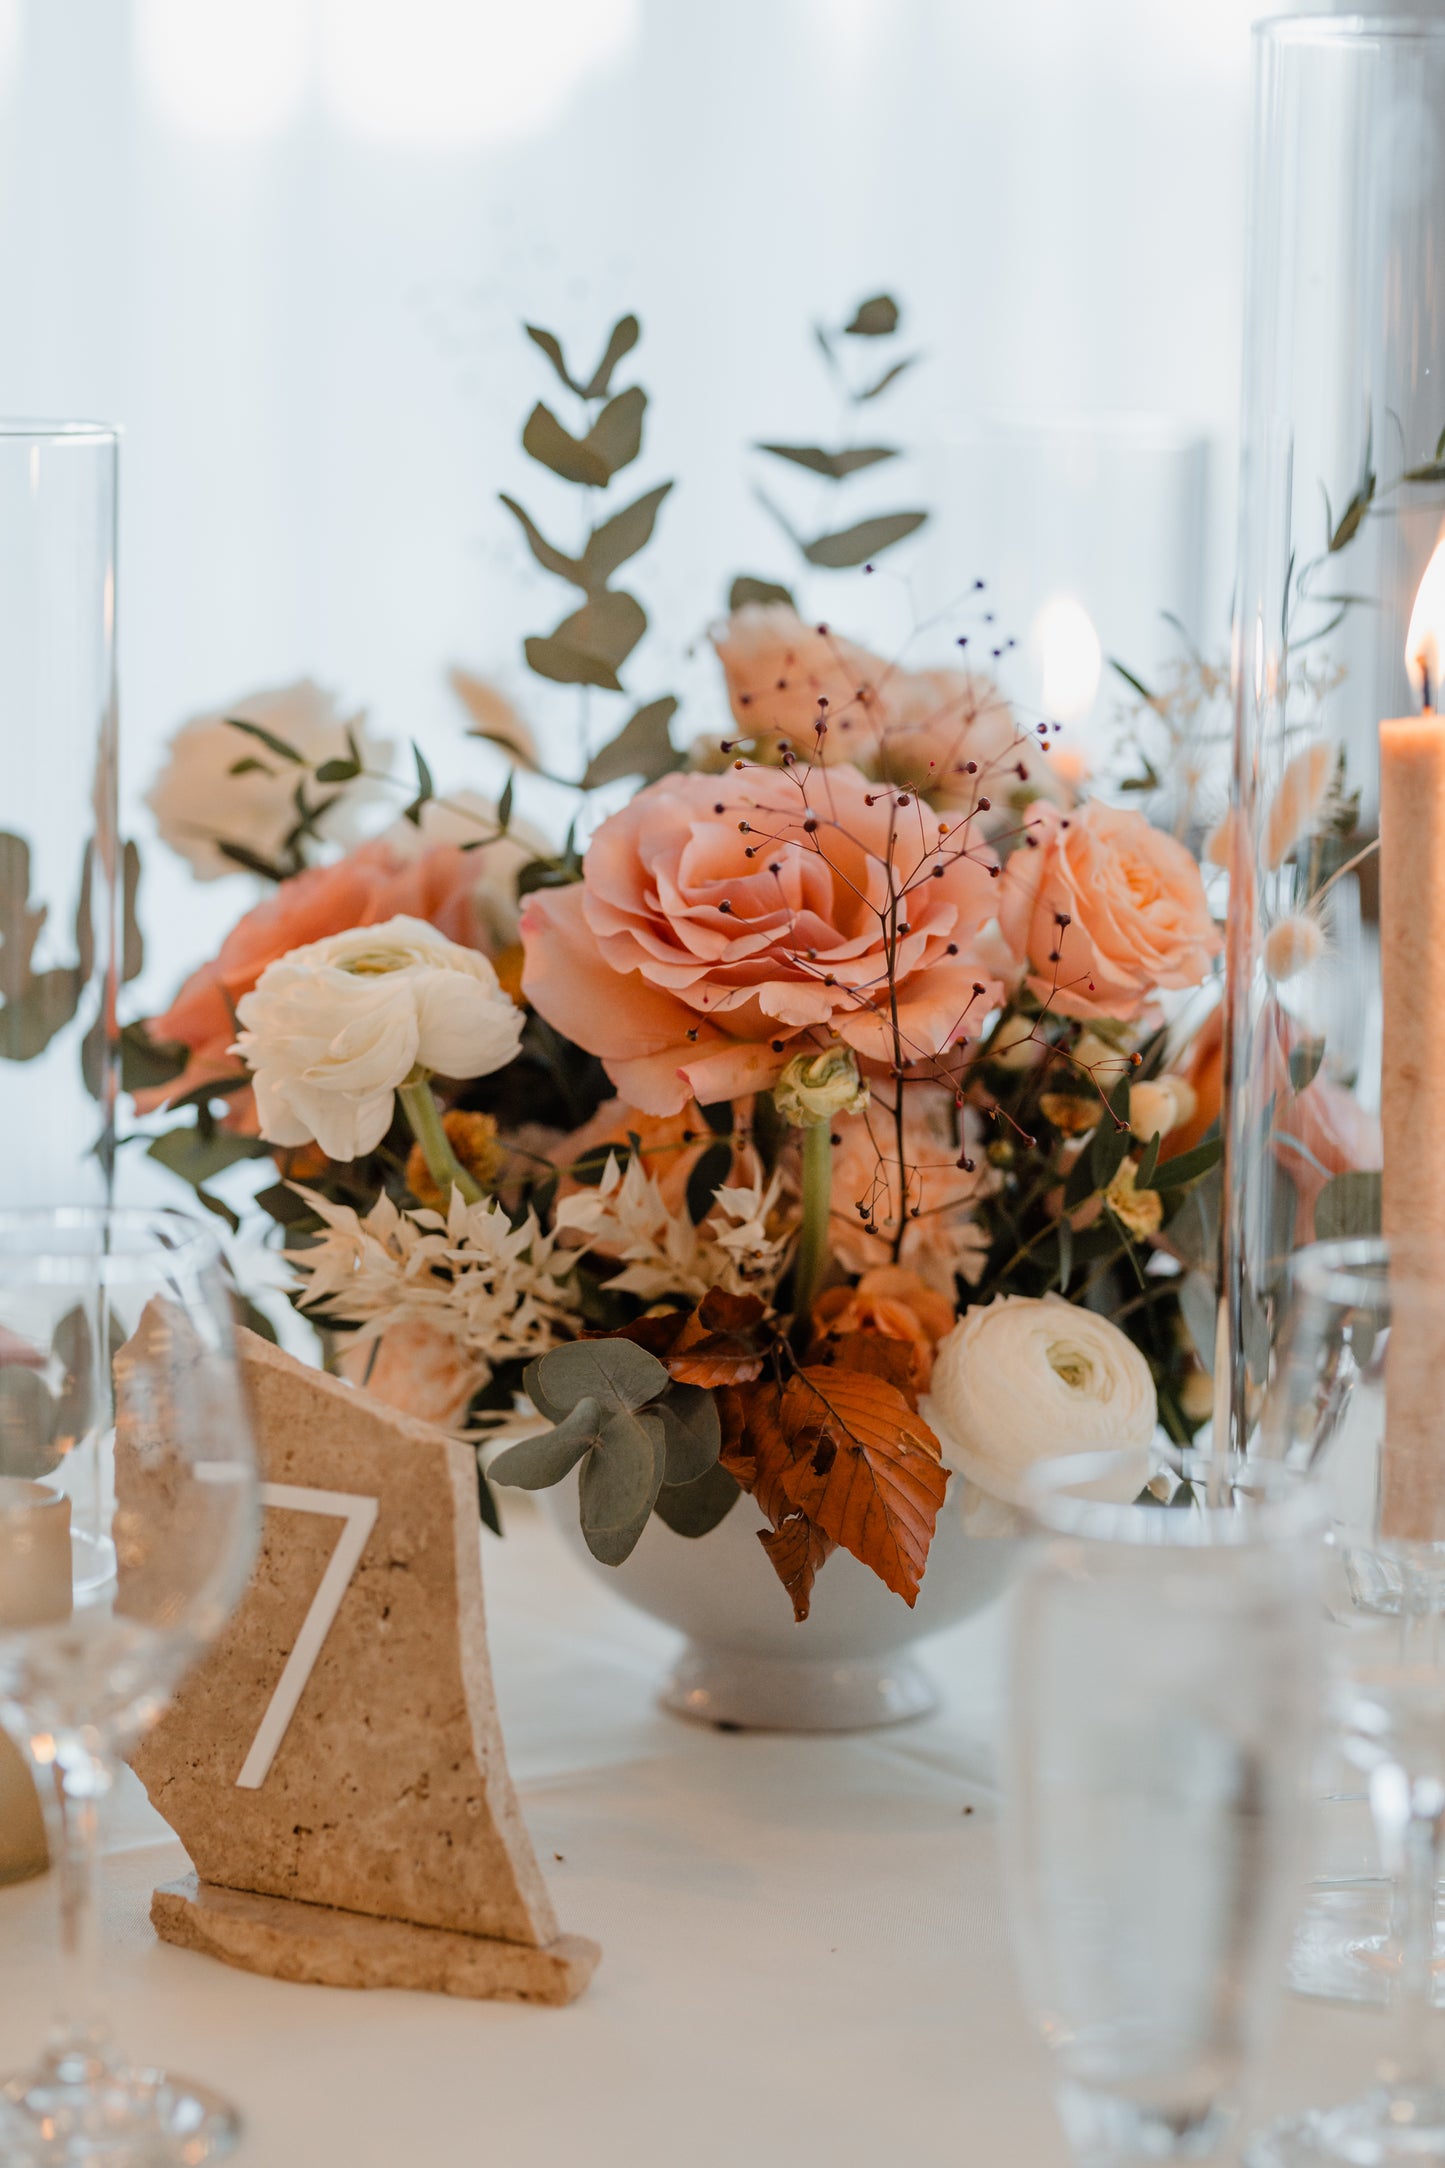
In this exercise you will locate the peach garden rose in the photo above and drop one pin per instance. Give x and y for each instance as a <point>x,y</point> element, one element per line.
<point>726,923</point>
<point>1107,909</point>
<point>442,884</point>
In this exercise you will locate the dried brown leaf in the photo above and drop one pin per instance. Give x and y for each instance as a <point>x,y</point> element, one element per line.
<point>865,1469</point>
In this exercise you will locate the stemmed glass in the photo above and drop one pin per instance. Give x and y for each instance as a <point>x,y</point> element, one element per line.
<point>1165,1697</point>
<point>129,1513</point>
<point>1359,1398</point>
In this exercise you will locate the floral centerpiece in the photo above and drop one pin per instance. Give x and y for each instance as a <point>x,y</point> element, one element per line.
<point>833,1121</point>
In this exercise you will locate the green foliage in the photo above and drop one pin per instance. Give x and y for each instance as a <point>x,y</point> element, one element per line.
<point>643,747</point>
<point>1304,1063</point>
<point>592,644</point>
<point>746,589</point>
<point>856,545</point>
<point>29,1421</point>
<point>1348,1205</point>
<point>876,318</point>
<point>40,1003</point>
<point>618,1417</point>
<point>695,1509</point>
<point>840,547</point>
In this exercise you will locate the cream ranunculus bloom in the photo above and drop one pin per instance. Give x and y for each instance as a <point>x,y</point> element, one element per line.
<point>331,1030</point>
<point>1021,1380</point>
<point>199,801</point>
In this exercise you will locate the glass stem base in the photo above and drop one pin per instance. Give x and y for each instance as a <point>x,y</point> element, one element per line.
<point>1388,2127</point>
<point>1108,2130</point>
<point>74,2108</point>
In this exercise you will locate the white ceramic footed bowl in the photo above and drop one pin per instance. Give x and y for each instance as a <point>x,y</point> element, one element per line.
<point>747,1663</point>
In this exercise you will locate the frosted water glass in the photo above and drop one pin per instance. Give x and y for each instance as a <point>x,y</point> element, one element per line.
<point>59,854</point>
<point>1166,1675</point>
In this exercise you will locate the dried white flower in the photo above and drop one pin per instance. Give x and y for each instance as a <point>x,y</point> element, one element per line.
<point>737,1247</point>
<point>500,1292</point>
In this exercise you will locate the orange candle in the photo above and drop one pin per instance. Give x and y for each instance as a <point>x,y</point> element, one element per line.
<point>1412,1084</point>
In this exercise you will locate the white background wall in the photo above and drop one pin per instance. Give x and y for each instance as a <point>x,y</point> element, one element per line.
<point>287,243</point>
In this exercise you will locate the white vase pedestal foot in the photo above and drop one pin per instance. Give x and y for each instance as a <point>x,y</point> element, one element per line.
<point>738,1691</point>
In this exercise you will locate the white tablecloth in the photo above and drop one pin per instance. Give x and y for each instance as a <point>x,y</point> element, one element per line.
<point>804,1956</point>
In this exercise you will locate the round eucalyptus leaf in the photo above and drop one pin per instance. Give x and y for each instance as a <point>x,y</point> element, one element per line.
<point>692,1430</point>
<point>623,1473</point>
<point>616,1372</point>
<point>532,1387</point>
<point>538,1463</point>
<point>694,1509</point>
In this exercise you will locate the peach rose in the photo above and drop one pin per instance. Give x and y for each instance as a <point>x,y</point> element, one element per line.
<point>945,1241</point>
<point>894,1302</point>
<point>946,732</point>
<point>778,669</point>
<point>953,736</point>
<point>1107,908</point>
<point>725,923</point>
<point>366,888</point>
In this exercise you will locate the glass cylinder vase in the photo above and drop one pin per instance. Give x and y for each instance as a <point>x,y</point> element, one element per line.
<point>1336,844</point>
<point>60,859</point>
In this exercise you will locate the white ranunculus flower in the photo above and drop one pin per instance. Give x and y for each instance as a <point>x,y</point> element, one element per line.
<point>1021,1380</point>
<point>200,801</point>
<point>331,1030</point>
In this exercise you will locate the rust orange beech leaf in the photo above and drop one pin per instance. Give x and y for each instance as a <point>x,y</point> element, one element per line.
<point>796,1550</point>
<point>867,1471</point>
<point>842,1452</point>
<point>717,1344</point>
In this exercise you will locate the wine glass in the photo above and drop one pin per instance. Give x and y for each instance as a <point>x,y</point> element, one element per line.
<point>1165,1698</point>
<point>129,1515</point>
<point>1357,1400</point>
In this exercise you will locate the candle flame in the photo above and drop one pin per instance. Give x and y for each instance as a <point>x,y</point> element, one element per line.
<point>1425,641</point>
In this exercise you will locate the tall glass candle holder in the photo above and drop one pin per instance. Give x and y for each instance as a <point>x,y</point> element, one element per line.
<point>60,862</point>
<point>1336,1044</point>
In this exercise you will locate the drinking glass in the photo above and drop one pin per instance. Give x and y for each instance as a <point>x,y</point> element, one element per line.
<point>1166,1667</point>
<point>1363,1336</point>
<point>129,1512</point>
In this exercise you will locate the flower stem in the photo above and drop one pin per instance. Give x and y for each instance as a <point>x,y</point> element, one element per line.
<point>817,1203</point>
<point>419,1105</point>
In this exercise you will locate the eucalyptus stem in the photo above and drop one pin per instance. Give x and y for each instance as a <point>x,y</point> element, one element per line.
<point>446,1170</point>
<point>817,1204</point>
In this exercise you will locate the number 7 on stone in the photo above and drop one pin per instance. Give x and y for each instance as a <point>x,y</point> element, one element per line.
<point>359,1515</point>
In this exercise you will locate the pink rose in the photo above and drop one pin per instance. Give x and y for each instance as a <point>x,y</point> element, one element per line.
<point>1107,909</point>
<point>723,923</point>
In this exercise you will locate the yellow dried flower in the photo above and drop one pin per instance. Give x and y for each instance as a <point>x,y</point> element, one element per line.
<point>1139,1211</point>
<point>1071,1116</point>
<point>473,1137</point>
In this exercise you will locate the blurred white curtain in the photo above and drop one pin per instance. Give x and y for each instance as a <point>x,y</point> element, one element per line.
<point>287,244</point>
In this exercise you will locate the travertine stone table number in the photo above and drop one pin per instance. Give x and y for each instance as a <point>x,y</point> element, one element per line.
<point>335,1766</point>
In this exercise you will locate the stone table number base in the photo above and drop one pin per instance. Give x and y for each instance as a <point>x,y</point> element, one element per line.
<point>335,1766</point>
